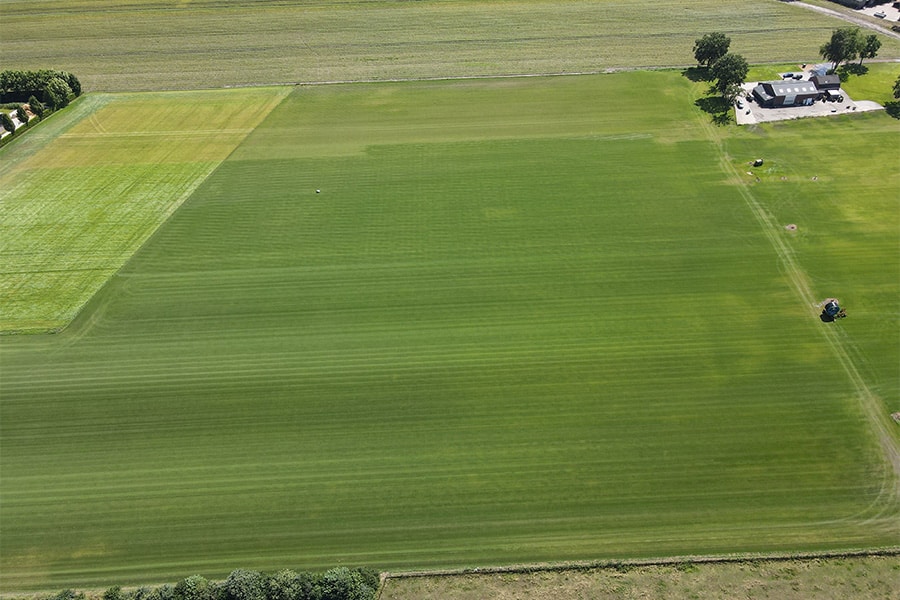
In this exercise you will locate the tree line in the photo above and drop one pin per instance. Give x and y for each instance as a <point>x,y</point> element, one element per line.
<point>43,91</point>
<point>55,89</point>
<point>340,583</point>
<point>727,69</point>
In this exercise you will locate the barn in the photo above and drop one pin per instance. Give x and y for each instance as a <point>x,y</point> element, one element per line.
<point>771,94</point>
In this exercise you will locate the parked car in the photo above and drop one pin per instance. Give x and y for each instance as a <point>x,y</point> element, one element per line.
<point>880,15</point>
<point>798,76</point>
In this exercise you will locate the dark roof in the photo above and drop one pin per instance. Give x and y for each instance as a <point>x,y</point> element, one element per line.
<point>826,80</point>
<point>762,93</point>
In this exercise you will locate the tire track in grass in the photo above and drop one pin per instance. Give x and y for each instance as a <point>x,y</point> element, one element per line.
<point>868,400</point>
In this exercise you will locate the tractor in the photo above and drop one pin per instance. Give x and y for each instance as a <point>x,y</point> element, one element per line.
<point>832,310</point>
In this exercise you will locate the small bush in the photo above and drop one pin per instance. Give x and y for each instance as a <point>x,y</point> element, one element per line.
<point>142,593</point>
<point>163,592</point>
<point>114,593</point>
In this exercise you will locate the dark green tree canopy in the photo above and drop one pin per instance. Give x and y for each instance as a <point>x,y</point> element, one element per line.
<point>290,585</point>
<point>870,46</point>
<point>844,45</point>
<point>7,123</point>
<point>245,585</point>
<point>195,587</point>
<point>17,86</point>
<point>729,70</point>
<point>343,584</point>
<point>36,106</point>
<point>340,583</point>
<point>710,48</point>
<point>57,94</point>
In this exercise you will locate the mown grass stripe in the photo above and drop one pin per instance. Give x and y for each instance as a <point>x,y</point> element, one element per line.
<point>500,348</point>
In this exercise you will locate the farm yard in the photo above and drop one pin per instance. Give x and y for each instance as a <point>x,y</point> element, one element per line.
<point>437,324</point>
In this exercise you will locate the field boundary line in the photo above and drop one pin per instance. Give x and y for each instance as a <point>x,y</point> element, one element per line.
<point>603,71</point>
<point>614,563</point>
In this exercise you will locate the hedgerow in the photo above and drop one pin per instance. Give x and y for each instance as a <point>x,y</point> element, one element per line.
<point>340,583</point>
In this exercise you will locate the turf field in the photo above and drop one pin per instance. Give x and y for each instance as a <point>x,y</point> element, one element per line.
<point>523,320</point>
<point>82,193</point>
<point>117,45</point>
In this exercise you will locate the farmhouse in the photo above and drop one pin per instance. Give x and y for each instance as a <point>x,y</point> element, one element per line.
<point>786,93</point>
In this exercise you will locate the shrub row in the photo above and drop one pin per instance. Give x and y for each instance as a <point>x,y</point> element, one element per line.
<point>339,583</point>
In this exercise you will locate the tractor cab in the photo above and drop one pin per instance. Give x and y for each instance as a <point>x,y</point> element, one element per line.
<point>832,310</point>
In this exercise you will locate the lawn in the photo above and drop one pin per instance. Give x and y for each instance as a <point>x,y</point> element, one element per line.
<point>521,321</point>
<point>83,191</point>
<point>116,45</point>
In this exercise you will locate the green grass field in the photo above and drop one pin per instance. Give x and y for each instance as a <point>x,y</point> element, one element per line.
<point>116,45</point>
<point>524,320</point>
<point>87,188</point>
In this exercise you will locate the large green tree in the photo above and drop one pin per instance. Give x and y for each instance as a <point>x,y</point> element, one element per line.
<point>290,585</point>
<point>870,46</point>
<point>844,45</point>
<point>57,94</point>
<point>728,71</point>
<point>37,107</point>
<point>7,123</point>
<point>710,48</point>
<point>195,587</point>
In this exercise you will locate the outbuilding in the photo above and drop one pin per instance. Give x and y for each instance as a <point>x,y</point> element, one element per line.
<point>826,82</point>
<point>833,95</point>
<point>786,93</point>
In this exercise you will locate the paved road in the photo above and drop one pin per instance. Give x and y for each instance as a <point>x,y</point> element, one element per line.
<point>851,19</point>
